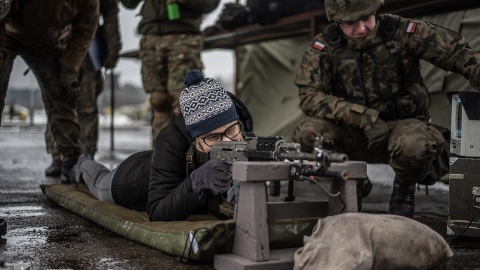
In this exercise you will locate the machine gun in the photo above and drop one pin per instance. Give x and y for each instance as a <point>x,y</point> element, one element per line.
<point>303,165</point>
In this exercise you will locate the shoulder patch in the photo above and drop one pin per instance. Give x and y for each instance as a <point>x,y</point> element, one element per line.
<point>411,27</point>
<point>318,45</point>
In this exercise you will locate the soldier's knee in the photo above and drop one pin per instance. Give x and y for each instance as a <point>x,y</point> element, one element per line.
<point>161,101</point>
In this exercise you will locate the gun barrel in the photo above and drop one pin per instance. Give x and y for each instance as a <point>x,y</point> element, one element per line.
<point>338,157</point>
<point>337,174</point>
<point>298,155</point>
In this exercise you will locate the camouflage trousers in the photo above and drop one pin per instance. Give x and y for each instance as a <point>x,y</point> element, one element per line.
<point>165,62</point>
<point>44,63</point>
<point>91,85</point>
<point>415,149</point>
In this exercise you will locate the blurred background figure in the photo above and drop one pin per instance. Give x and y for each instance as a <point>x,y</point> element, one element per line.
<point>441,83</point>
<point>170,46</point>
<point>32,31</point>
<point>104,52</point>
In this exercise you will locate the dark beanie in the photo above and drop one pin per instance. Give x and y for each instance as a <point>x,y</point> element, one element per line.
<point>205,105</point>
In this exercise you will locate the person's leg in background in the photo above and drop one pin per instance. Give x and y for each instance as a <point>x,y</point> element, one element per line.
<point>54,169</point>
<point>91,85</point>
<point>154,77</point>
<point>61,111</point>
<point>414,146</point>
<point>5,72</point>
<point>165,62</point>
<point>3,226</point>
<point>184,55</point>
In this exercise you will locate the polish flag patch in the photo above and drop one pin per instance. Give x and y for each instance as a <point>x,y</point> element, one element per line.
<point>411,27</point>
<point>318,45</point>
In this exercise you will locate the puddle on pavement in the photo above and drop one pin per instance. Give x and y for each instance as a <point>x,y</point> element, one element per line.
<point>21,191</point>
<point>22,211</point>
<point>20,208</point>
<point>26,236</point>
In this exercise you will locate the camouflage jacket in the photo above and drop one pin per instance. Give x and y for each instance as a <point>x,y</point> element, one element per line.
<point>36,23</point>
<point>155,20</point>
<point>344,79</point>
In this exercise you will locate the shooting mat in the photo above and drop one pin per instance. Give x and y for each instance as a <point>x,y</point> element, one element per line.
<point>197,239</point>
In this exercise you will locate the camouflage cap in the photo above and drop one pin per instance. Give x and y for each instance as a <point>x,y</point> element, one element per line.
<point>350,10</point>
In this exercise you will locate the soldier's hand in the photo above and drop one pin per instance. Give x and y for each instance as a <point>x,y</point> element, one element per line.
<point>377,136</point>
<point>111,60</point>
<point>70,84</point>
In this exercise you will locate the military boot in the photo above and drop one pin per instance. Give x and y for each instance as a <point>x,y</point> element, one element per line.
<point>364,187</point>
<point>402,202</point>
<point>67,165</point>
<point>55,168</point>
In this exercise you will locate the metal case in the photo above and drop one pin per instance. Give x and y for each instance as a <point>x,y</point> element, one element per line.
<point>464,196</point>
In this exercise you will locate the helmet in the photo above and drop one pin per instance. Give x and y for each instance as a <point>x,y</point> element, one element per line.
<point>4,8</point>
<point>350,10</point>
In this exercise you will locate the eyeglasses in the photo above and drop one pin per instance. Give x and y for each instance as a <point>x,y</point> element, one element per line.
<point>231,132</point>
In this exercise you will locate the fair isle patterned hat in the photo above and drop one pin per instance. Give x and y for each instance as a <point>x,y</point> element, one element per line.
<point>204,104</point>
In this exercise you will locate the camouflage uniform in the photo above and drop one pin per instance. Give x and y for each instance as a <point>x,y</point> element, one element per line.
<point>441,83</point>
<point>32,32</point>
<point>91,82</point>
<point>168,50</point>
<point>348,86</point>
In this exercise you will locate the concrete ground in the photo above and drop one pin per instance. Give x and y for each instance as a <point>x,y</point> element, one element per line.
<point>43,235</point>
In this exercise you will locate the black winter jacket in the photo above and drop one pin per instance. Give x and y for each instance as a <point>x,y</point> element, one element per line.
<point>167,194</point>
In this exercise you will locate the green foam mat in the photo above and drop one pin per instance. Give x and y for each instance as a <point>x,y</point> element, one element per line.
<point>198,239</point>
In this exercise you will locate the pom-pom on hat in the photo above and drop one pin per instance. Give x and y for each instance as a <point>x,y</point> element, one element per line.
<point>205,104</point>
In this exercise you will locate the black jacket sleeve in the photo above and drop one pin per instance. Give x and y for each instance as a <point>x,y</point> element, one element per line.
<point>170,195</point>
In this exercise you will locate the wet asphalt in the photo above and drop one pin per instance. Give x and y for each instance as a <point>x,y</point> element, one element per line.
<point>43,235</point>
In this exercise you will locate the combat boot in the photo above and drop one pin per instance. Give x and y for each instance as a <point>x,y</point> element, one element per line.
<point>67,165</point>
<point>87,153</point>
<point>55,168</point>
<point>402,202</point>
<point>364,187</point>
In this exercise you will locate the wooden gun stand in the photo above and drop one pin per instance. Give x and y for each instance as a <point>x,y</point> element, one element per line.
<point>251,248</point>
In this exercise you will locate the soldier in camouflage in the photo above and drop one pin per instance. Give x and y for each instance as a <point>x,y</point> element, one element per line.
<point>360,84</point>
<point>91,84</point>
<point>168,50</point>
<point>4,11</point>
<point>32,31</point>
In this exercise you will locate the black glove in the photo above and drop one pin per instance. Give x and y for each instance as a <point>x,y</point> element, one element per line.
<point>111,60</point>
<point>214,175</point>
<point>70,84</point>
<point>377,136</point>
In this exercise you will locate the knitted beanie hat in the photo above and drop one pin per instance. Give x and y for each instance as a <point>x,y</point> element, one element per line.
<point>205,105</point>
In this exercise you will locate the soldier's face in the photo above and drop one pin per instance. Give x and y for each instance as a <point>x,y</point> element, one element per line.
<point>359,28</point>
